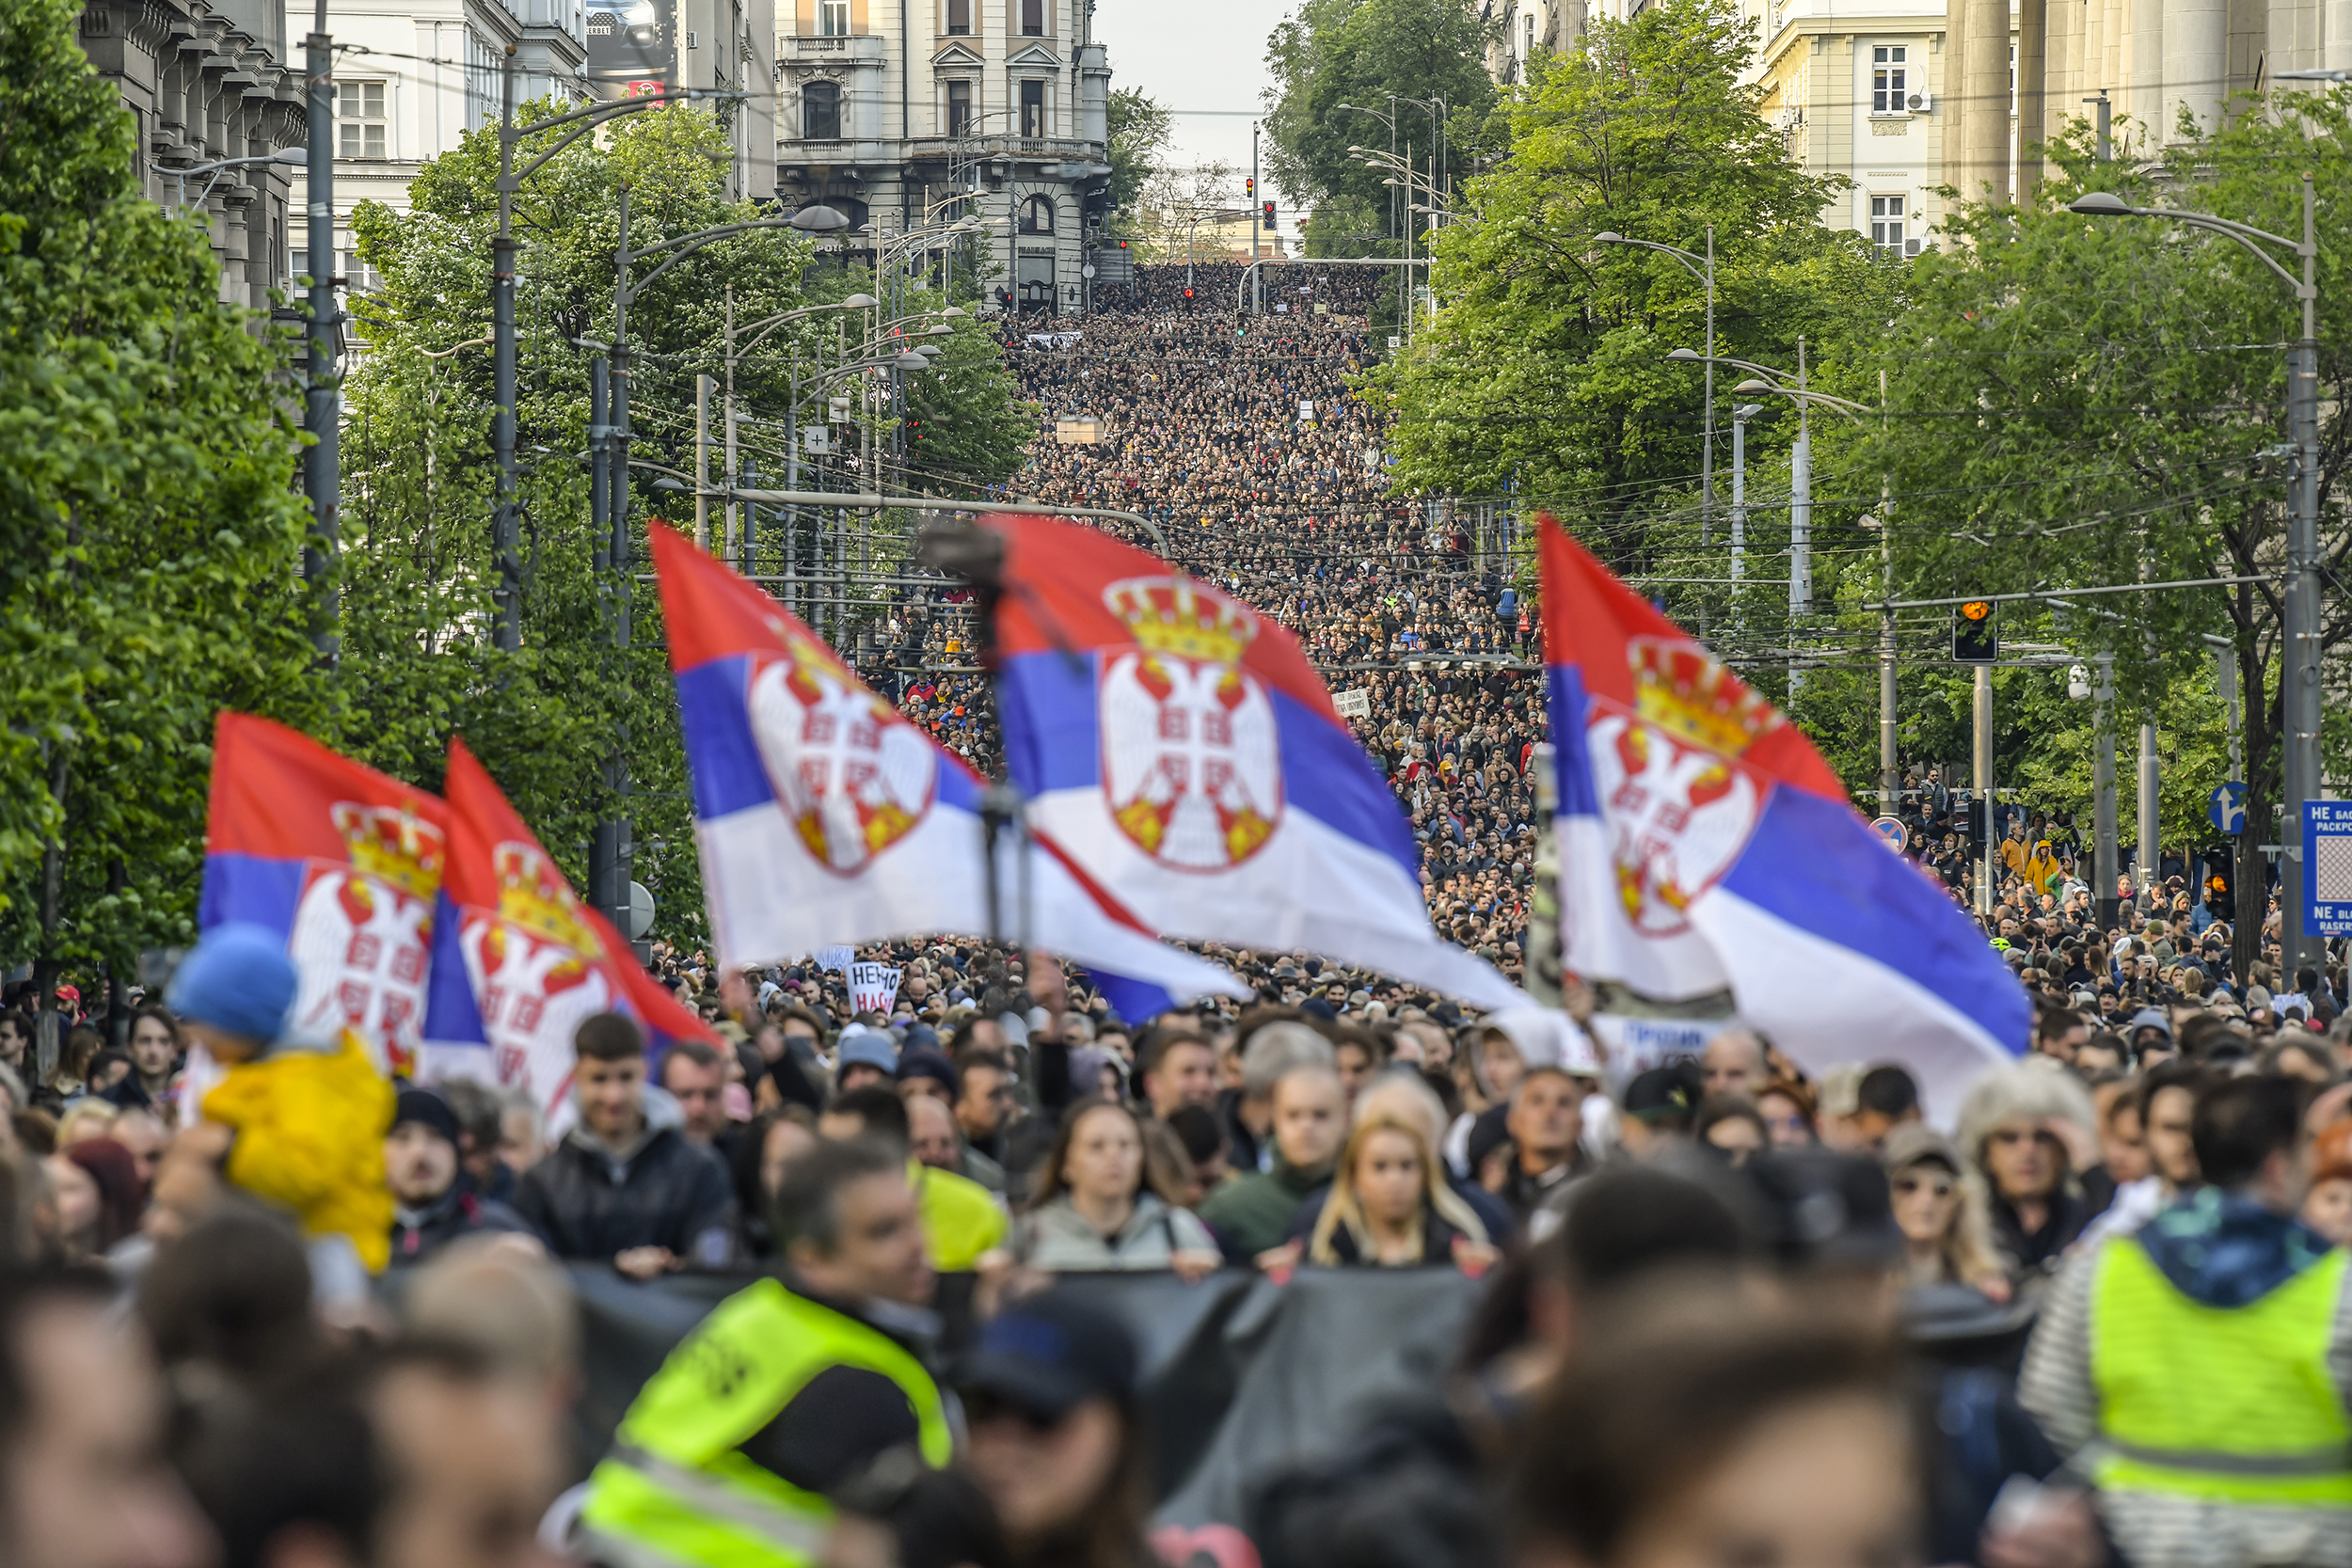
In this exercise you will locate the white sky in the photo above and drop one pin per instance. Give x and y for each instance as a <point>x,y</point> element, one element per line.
<point>1196,56</point>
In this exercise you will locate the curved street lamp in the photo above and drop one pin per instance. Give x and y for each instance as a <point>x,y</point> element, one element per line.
<point>2301,610</point>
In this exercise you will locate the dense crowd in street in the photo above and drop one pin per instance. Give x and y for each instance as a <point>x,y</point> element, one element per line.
<point>263,1307</point>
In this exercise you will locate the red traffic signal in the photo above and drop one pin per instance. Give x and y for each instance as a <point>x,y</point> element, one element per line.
<point>1250,186</point>
<point>1269,214</point>
<point>1187,294</point>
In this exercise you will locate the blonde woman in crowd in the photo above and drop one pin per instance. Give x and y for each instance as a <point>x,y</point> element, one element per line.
<point>1941,1206</point>
<point>1389,1208</point>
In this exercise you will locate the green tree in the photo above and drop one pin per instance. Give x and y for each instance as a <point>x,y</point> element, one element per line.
<point>1378,54</point>
<point>1544,373</point>
<point>2079,403</point>
<point>1139,130</point>
<point>152,569</point>
<point>419,662</point>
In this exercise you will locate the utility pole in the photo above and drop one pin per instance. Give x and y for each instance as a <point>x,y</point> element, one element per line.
<point>1983,725</point>
<point>2103,856</point>
<point>603,852</point>
<point>322,402</point>
<point>1257,286</point>
<point>703,385</point>
<point>2105,118</point>
<point>2147,877</point>
<point>2301,655</point>
<point>505,546</point>
<point>1890,767</point>
<point>1800,523</point>
<point>1740,415</point>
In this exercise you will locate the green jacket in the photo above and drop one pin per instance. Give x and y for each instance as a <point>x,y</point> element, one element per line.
<point>726,1456</point>
<point>1254,1213</point>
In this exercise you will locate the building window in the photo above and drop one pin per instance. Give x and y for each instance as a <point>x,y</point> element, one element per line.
<point>1033,19</point>
<point>1886,224</point>
<point>820,111</point>
<point>1033,109</point>
<point>959,16</point>
<point>1886,79</point>
<point>832,18</point>
<point>1037,216</point>
<point>359,114</point>
<point>959,108</point>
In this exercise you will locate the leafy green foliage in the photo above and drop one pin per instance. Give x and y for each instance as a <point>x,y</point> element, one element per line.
<point>1377,54</point>
<point>151,568</point>
<point>2078,402</point>
<point>1545,371</point>
<point>1139,130</point>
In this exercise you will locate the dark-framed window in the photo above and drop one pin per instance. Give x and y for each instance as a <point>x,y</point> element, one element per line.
<point>1033,109</point>
<point>959,108</point>
<point>959,16</point>
<point>1037,216</point>
<point>820,111</point>
<point>1033,19</point>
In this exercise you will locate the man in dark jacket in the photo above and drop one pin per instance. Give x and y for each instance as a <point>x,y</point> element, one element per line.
<point>434,1200</point>
<point>1252,1214</point>
<point>624,1184</point>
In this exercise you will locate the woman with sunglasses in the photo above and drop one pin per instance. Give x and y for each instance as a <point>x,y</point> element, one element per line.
<point>1940,1207</point>
<point>2028,1129</point>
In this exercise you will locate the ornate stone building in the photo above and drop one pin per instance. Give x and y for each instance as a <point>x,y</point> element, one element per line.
<point>894,111</point>
<point>208,80</point>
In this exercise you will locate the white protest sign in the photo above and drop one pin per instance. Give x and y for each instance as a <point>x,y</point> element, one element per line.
<point>1355,703</point>
<point>873,988</point>
<point>838,960</point>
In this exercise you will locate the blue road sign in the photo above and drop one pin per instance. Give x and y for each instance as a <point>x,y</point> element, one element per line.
<point>1891,828</point>
<point>2226,808</point>
<point>2327,867</point>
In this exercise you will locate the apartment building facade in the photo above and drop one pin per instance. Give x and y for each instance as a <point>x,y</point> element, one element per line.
<point>900,112</point>
<point>209,79</point>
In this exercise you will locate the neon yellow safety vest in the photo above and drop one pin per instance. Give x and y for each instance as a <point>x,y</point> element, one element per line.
<point>2219,1404</point>
<point>675,1493</point>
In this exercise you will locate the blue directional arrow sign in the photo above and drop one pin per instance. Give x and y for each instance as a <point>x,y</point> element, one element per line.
<point>2226,807</point>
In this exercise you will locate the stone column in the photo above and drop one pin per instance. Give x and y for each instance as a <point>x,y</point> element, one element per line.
<point>2195,62</point>
<point>1984,93</point>
<point>2033,31</point>
<point>2143,45</point>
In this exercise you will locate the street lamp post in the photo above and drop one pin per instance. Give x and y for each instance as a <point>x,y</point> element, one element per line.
<point>1767,382</point>
<point>1703,267</point>
<point>613,852</point>
<point>2302,654</point>
<point>505,541</point>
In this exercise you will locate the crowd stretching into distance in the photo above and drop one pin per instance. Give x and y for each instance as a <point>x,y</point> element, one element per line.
<point>262,1307</point>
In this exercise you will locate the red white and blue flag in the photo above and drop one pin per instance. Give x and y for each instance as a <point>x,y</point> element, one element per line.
<point>825,817</point>
<point>342,858</point>
<point>1183,751</point>
<point>1706,846</point>
<point>520,963</point>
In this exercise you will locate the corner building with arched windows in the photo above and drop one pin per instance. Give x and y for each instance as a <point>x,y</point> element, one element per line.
<point>895,111</point>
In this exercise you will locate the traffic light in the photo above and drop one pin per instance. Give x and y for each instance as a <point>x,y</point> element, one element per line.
<point>1250,186</point>
<point>1976,632</point>
<point>1269,214</point>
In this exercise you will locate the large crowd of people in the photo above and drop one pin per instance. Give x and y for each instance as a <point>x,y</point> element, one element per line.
<point>280,1312</point>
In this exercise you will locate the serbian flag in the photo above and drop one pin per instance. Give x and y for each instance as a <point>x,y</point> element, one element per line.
<point>1706,847</point>
<point>345,860</point>
<point>1185,752</point>
<point>519,962</point>
<point>825,816</point>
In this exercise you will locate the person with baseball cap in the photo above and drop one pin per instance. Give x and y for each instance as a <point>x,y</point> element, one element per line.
<point>1050,1396</point>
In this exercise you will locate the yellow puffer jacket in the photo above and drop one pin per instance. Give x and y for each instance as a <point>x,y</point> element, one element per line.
<point>311,1138</point>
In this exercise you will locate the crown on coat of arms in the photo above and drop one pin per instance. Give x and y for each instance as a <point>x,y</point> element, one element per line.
<point>533,895</point>
<point>1684,690</point>
<point>392,844</point>
<point>1178,616</point>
